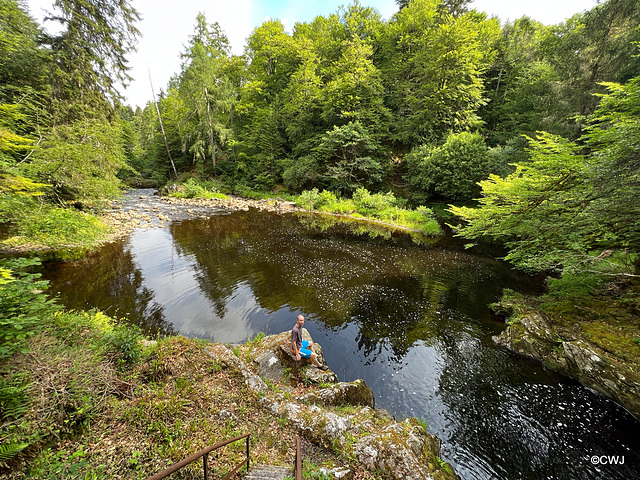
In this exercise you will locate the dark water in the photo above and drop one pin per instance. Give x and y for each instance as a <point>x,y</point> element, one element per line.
<point>411,320</point>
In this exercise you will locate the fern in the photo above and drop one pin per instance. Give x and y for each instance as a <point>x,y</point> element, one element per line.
<point>10,450</point>
<point>13,401</point>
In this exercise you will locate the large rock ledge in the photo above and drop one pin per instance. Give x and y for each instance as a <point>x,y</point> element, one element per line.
<point>532,337</point>
<point>398,450</point>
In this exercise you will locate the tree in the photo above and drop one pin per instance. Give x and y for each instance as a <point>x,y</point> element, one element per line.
<point>351,158</point>
<point>89,56</point>
<point>355,91</point>
<point>207,94</point>
<point>561,209</point>
<point>22,83</point>
<point>520,85</point>
<point>590,48</point>
<point>450,171</point>
<point>80,161</point>
<point>22,60</point>
<point>432,64</point>
<point>302,99</point>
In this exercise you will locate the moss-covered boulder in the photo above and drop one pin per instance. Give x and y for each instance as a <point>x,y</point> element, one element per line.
<point>352,393</point>
<point>531,336</point>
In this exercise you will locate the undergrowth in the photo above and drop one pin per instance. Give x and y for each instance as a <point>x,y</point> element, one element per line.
<point>193,188</point>
<point>379,206</point>
<point>82,397</point>
<point>38,224</point>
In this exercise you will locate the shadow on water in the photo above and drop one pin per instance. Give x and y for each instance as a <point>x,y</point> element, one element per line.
<point>409,318</point>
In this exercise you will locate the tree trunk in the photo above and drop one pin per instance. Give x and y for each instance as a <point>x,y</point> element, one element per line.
<point>166,143</point>
<point>211,139</point>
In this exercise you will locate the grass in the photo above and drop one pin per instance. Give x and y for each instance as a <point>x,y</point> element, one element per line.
<point>39,225</point>
<point>382,207</point>
<point>385,208</point>
<point>82,398</point>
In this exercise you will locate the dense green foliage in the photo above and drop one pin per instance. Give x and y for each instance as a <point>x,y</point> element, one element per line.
<point>26,314</point>
<point>451,170</point>
<point>425,104</point>
<point>21,304</point>
<point>570,202</point>
<point>338,103</point>
<point>383,207</point>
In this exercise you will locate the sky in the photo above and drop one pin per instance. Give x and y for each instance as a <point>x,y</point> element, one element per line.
<point>166,26</point>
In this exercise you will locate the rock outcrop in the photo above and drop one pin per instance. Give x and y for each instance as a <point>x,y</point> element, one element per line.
<point>532,337</point>
<point>398,450</point>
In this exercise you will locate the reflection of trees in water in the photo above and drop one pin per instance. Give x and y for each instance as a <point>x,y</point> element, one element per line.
<point>98,279</point>
<point>217,245</point>
<point>395,290</point>
<point>432,298</point>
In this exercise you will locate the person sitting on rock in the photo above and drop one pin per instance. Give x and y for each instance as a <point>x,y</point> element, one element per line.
<point>303,348</point>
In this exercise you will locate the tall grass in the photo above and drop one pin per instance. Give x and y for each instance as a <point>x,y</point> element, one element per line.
<point>383,207</point>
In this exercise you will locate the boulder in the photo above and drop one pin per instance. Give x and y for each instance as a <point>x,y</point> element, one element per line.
<point>403,451</point>
<point>353,393</point>
<point>269,366</point>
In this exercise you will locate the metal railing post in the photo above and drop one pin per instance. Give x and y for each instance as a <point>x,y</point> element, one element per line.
<point>204,453</point>
<point>298,467</point>
<point>248,454</point>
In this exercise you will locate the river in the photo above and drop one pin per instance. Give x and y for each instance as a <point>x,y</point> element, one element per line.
<point>410,318</point>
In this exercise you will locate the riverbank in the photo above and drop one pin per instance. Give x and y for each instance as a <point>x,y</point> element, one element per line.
<point>594,338</point>
<point>144,209</point>
<point>85,396</point>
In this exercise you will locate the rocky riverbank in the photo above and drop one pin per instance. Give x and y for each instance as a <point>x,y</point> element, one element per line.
<point>335,415</point>
<point>145,209</point>
<point>530,334</point>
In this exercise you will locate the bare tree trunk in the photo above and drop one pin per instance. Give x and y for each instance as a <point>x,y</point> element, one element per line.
<point>166,144</point>
<point>211,139</point>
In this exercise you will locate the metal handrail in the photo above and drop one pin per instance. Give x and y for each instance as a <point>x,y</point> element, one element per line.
<point>298,461</point>
<point>204,453</point>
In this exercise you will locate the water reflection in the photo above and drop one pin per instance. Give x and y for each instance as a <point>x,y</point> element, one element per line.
<point>113,281</point>
<point>409,318</point>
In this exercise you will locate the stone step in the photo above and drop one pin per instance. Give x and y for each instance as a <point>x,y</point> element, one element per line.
<point>268,472</point>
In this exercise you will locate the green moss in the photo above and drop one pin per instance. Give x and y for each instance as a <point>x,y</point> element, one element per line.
<point>617,339</point>
<point>603,310</point>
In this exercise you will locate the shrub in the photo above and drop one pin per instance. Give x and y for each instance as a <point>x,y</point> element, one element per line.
<point>374,204</point>
<point>308,199</point>
<point>21,304</point>
<point>314,200</point>
<point>123,345</point>
<point>302,173</point>
<point>351,158</point>
<point>450,171</point>
<point>194,188</point>
<point>33,221</point>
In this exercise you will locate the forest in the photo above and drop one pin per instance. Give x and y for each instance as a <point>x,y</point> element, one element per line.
<point>437,104</point>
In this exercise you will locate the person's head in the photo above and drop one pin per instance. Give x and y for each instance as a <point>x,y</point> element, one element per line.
<point>300,320</point>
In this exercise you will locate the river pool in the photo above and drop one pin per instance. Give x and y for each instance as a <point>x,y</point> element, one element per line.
<point>407,314</point>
